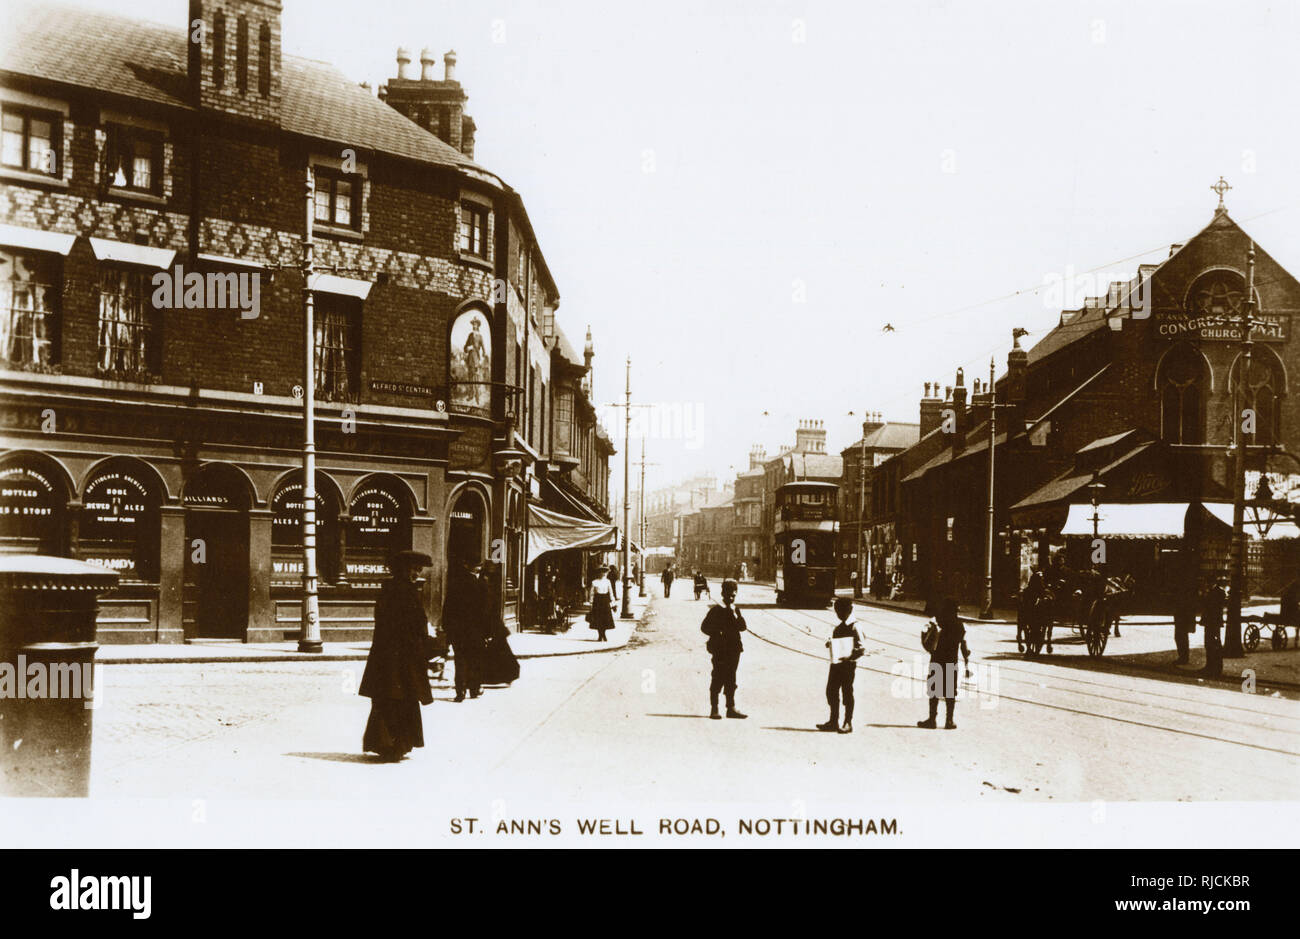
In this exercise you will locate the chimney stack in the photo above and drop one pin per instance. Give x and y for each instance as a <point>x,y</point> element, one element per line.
<point>959,407</point>
<point>931,409</point>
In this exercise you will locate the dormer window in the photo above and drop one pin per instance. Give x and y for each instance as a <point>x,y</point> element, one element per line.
<point>338,199</point>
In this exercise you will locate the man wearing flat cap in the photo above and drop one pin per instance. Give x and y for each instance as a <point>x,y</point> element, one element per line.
<point>396,679</point>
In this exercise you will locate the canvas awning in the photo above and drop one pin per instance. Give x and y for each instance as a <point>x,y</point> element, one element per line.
<point>1128,520</point>
<point>54,242</point>
<point>552,531</point>
<point>126,253</point>
<point>1276,527</point>
<point>342,286</point>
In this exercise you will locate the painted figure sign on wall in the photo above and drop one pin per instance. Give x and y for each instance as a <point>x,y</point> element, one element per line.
<point>471,363</point>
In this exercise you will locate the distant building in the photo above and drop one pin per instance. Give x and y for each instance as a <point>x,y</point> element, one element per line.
<point>858,552</point>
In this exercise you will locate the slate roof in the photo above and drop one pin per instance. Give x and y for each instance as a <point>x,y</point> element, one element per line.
<point>889,436</point>
<point>815,466</point>
<point>147,61</point>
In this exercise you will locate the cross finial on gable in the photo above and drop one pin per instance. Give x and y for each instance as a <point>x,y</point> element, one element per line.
<point>1221,187</point>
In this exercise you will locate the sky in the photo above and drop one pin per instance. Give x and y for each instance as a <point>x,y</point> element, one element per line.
<point>740,196</point>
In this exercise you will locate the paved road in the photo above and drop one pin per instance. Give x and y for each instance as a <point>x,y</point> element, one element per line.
<point>632,726</point>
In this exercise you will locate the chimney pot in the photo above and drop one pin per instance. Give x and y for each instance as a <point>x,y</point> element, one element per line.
<point>449,65</point>
<point>427,62</point>
<point>403,62</point>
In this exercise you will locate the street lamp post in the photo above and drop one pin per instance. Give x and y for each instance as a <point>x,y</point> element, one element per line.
<point>641,521</point>
<point>309,640</point>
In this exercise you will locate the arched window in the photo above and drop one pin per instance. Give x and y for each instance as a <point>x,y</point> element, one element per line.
<point>1182,383</point>
<point>379,526</point>
<point>219,49</point>
<point>120,520</point>
<point>286,531</point>
<point>1258,387</point>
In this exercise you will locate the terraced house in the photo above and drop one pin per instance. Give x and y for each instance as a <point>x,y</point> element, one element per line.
<point>159,432</point>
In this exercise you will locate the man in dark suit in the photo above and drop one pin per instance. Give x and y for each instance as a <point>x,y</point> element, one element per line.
<point>464,620</point>
<point>723,624</point>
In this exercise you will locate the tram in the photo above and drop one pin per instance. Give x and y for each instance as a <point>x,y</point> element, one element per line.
<point>805,529</point>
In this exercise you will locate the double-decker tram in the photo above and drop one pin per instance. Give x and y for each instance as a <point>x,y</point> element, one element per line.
<point>805,529</point>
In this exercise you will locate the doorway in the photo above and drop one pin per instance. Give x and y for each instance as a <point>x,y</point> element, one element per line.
<point>216,554</point>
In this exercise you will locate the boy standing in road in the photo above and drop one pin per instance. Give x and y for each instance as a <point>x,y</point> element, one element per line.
<point>723,625</point>
<point>844,666</point>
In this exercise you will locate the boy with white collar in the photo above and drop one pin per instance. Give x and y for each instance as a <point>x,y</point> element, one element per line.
<point>844,666</point>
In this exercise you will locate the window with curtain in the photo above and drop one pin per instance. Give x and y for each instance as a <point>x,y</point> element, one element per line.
<point>127,327</point>
<point>133,158</point>
<point>28,309</point>
<point>337,368</point>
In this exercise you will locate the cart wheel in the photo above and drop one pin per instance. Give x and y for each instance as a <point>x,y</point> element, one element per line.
<point>1279,638</point>
<point>1097,641</point>
<point>1250,641</point>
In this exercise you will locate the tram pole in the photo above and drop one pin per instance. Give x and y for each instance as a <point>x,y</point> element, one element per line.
<point>1237,552</point>
<point>986,609</point>
<point>626,612</point>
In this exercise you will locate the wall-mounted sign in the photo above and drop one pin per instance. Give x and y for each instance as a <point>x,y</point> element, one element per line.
<point>286,514</point>
<point>470,363</point>
<point>1221,328</point>
<point>403,388</point>
<point>471,450</point>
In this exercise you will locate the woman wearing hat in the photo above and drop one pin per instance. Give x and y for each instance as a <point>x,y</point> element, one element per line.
<point>396,679</point>
<point>602,604</point>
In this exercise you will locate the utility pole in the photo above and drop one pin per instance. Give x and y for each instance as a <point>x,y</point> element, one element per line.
<point>1237,554</point>
<point>626,612</point>
<point>641,519</point>
<point>986,610</point>
<point>859,587</point>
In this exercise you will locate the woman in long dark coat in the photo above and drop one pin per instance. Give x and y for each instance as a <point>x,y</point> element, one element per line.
<point>942,679</point>
<point>396,679</point>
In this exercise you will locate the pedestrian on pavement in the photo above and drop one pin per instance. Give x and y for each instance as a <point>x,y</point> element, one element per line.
<point>701,586</point>
<point>723,624</point>
<point>396,678</point>
<point>1212,608</point>
<point>465,613</point>
<point>744,571</point>
<point>601,617</point>
<point>1184,611</point>
<point>843,669</point>
<point>613,581</point>
<point>666,578</point>
<point>941,682</point>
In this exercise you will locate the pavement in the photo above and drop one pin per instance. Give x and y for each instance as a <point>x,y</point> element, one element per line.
<point>577,640</point>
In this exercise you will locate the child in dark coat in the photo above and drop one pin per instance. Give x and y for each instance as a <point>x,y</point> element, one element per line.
<point>839,680</point>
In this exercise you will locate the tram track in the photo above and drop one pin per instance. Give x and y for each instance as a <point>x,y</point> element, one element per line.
<point>1112,718</point>
<point>1036,680</point>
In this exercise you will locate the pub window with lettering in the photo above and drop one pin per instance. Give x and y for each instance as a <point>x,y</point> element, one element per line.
<point>474,229</point>
<point>129,334</point>
<point>338,199</point>
<point>134,159</point>
<point>29,299</point>
<point>29,139</point>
